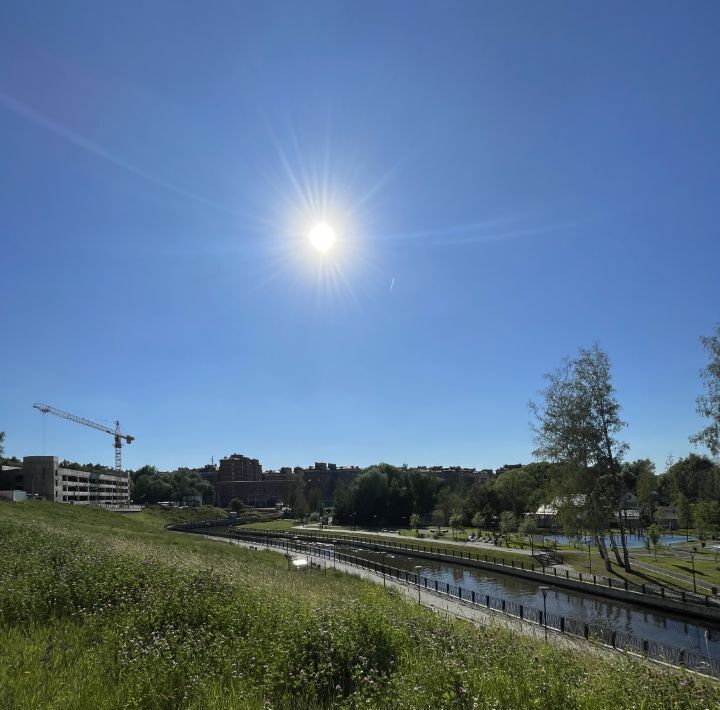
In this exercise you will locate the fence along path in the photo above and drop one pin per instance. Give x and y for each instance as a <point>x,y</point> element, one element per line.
<point>620,640</point>
<point>597,580</point>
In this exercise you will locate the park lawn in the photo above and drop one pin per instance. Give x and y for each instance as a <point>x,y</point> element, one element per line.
<point>281,524</point>
<point>149,521</point>
<point>707,569</point>
<point>579,561</point>
<point>498,555</point>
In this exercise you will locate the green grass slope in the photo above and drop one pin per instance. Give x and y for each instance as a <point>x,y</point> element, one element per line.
<point>104,610</point>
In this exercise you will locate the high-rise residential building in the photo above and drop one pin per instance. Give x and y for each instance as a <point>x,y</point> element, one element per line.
<point>239,468</point>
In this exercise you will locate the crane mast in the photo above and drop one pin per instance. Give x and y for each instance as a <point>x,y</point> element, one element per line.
<point>116,433</point>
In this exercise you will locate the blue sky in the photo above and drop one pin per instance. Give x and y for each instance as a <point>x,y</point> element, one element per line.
<point>508,182</point>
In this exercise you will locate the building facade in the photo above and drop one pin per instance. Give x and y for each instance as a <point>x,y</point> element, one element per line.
<point>260,494</point>
<point>42,476</point>
<point>239,468</point>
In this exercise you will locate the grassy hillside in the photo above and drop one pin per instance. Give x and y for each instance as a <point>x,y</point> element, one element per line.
<point>101,610</point>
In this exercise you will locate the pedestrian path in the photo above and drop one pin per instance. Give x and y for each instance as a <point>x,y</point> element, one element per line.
<point>671,575</point>
<point>457,608</point>
<point>407,540</point>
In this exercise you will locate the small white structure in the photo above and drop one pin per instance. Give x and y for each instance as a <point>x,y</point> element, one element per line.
<point>547,512</point>
<point>14,496</point>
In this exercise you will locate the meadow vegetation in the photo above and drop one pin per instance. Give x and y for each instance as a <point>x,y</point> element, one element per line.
<point>101,610</point>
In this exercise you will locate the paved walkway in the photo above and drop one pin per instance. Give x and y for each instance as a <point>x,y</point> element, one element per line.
<point>408,540</point>
<point>498,550</point>
<point>449,606</point>
<point>672,575</point>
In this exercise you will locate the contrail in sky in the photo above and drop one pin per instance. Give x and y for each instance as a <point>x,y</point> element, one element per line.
<point>392,283</point>
<point>30,114</point>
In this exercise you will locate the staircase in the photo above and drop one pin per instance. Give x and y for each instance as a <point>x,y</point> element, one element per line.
<point>547,557</point>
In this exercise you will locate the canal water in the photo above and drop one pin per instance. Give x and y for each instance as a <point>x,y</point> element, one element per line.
<point>653,625</point>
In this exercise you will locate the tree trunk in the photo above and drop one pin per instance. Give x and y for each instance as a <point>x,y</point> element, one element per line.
<point>613,545</point>
<point>623,541</point>
<point>602,549</point>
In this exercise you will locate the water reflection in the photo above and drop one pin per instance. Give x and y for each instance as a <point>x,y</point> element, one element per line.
<point>638,621</point>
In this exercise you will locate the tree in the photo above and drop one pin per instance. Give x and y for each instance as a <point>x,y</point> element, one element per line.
<point>2,441</point>
<point>642,474</point>
<point>707,517</point>
<point>708,404</point>
<point>385,493</point>
<point>415,522</point>
<point>684,511</point>
<point>371,495</point>
<point>159,489</point>
<point>296,499</point>
<point>577,424</point>
<point>423,488</point>
<point>481,498</point>
<point>508,522</point>
<point>301,508</point>
<point>343,503</point>
<point>653,537</point>
<point>236,505</point>
<point>314,500</point>
<point>447,502</point>
<point>146,470</point>
<point>456,521</point>
<point>478,520</point>
<point>696,477</point>
<point>520,489</point>
<point>528,526</point>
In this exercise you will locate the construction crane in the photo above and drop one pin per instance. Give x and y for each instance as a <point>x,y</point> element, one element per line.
<point>47,409</point>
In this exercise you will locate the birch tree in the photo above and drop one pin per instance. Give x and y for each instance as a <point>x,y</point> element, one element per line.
<point>708,404</point>
<point>577,423</point>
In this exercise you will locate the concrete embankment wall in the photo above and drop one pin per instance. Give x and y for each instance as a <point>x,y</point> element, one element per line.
<point>710,613</point>
<point>676,607</point>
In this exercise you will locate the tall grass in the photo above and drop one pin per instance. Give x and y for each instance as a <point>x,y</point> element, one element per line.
<point>98,610</point>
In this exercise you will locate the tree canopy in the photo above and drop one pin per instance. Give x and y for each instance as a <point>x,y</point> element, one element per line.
<point>385,494</point>
<point>152,486</point>
<point>708,404</point>
<point>577,423</point>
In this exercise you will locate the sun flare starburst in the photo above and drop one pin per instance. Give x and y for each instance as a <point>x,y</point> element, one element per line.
<point>322,237</point>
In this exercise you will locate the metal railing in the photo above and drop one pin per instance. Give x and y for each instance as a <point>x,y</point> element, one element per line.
<point>597,580</point>
<point>605,635</point>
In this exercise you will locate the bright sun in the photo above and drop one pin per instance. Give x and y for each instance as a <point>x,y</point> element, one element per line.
<point>322,236</point>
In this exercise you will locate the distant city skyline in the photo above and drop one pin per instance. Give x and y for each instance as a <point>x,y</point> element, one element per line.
<point>355,232</point>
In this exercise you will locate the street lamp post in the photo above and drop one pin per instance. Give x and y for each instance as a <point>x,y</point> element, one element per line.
<point>417,579</point>
<point>692,557</point>
<point>589,558</point>
<point>544,591</point>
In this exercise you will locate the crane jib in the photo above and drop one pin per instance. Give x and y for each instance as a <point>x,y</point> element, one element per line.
<point>47,409</point>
